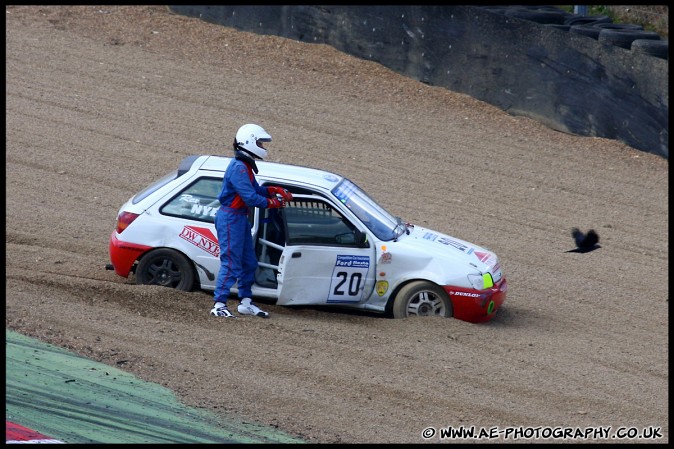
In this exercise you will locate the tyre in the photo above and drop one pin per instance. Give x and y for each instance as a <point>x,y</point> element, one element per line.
<point>166,267</point>
<point>624,38</point>
<point>587,20</point>
<point>586,30</point>
<point>422,298</point>
<point>537,16</point>
<point>658,48</point>
<point>618,26</point>
<point>557,26</point>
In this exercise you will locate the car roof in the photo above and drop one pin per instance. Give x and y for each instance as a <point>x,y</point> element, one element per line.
<point>275,170</point>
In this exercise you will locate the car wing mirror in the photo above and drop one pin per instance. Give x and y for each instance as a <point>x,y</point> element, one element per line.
<point>361,239</point>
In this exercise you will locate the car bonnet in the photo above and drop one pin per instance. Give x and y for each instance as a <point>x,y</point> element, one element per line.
<point>446,246</point>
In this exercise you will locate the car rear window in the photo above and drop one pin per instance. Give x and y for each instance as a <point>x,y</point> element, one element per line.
<point>140,196</point>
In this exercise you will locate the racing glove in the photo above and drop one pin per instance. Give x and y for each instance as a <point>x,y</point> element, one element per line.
<point>275,203</point>
<point>273,190</point>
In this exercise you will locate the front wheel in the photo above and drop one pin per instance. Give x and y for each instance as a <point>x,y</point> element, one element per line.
<point>166,267</point>
<point>421,298</point>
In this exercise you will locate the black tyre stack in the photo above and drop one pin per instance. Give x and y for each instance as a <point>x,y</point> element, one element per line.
<point>599,27</point>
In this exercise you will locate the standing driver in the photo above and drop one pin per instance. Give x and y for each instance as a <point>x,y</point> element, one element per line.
<point>241,191</point>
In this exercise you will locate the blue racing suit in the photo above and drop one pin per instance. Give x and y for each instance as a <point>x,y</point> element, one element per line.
<point>240,191</point>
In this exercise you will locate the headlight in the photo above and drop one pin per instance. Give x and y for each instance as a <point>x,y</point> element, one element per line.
<point>481,281</point>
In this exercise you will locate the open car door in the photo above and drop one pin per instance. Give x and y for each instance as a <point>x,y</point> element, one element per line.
<point>326,258</point>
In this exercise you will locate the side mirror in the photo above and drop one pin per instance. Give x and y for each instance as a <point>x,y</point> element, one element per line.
<point>361,239</point>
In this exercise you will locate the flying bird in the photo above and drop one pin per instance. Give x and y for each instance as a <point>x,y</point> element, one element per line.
<point>584,242</point>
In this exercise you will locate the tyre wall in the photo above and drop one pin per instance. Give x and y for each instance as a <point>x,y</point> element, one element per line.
<point>568,81</point>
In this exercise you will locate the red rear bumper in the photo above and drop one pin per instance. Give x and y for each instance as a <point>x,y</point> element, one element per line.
<point>477,306</point>
<point>123,255</point>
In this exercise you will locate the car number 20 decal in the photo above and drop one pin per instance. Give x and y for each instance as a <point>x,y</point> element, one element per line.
<point>348,278</point>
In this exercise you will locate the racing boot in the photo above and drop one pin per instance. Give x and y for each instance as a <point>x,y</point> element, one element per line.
<point>248,308</point>
<point>220,309</point>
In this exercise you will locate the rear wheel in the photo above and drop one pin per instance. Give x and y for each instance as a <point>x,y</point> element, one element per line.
<point>421,298</point>
<point>166,267</point>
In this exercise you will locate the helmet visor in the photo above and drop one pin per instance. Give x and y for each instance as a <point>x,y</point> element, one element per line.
<point>260,142</point>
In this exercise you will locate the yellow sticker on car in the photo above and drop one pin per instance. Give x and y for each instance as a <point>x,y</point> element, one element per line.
<point>382,287</point>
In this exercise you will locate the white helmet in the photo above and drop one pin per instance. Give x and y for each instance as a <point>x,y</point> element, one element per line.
<point>250,138</point>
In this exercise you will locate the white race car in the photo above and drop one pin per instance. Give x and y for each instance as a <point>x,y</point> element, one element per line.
<point>331,245</point>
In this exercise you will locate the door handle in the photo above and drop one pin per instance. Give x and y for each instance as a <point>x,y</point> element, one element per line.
<point>296,255</point>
